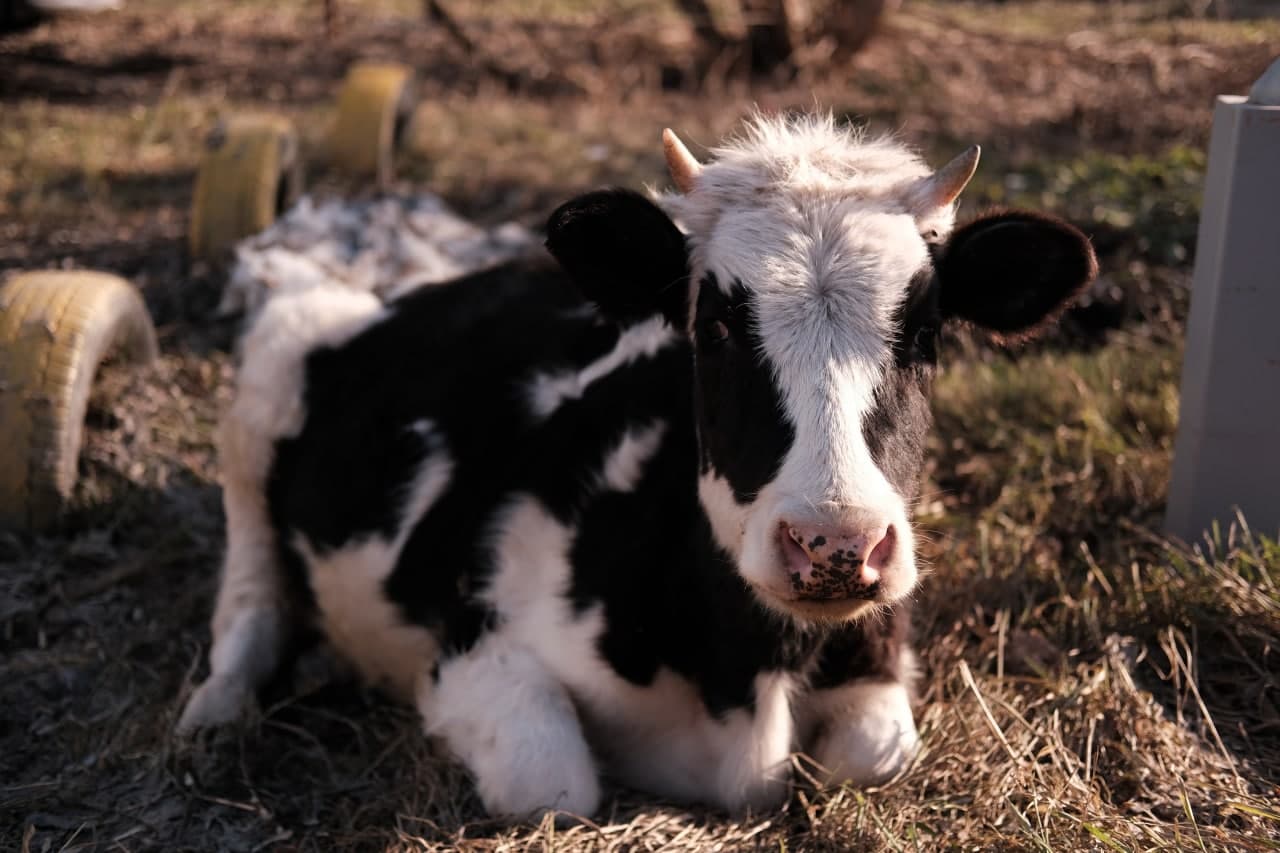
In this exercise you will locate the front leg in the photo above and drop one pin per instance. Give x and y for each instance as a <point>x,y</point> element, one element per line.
<point>513,725</point>
<point>864,731</point>
<point>254,620</point>
<point>857,719</point>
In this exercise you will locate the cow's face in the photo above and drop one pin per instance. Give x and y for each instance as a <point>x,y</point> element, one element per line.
<point>794,333</point>
<point>818,281</point>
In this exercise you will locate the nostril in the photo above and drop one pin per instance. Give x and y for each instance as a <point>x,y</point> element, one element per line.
<point>882,554</point>
<point>797,555</point>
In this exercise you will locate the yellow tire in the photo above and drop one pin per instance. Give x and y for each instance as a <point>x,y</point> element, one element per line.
<point>374,106</point>
<point>55,330</point>
<point>250,172</point>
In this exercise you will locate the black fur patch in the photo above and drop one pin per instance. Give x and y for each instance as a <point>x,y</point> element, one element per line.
<point>897,426</point>
<point>741,420</point>
<point>873,648</point>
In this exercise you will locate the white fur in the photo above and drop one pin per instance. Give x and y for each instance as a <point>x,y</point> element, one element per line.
<point>348,583</point>
<point>820,224</point>
<point>624,466</point>
<point>798,157</point>
<point>728,517</point>
<point>531,569</point>
<point>251,621</point>
<point>867,732</point>
<point>548,391</point>
<point>246,651</point>
<point>385,246</point>
<point>512,723</point>
<point>661,738</point>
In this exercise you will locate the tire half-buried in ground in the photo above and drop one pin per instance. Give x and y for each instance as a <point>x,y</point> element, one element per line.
<point>56,328</point>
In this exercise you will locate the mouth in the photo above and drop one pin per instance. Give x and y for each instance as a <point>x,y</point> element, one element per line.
<point>818,608</point>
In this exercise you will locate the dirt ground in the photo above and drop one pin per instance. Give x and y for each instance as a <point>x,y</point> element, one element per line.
<point>1088,684</point>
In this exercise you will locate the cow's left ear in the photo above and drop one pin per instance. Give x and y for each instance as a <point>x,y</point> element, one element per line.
<point>624,254</point>
<point>1012,272</point>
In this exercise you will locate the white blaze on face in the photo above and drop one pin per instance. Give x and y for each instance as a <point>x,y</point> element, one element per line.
<point>825,282</point>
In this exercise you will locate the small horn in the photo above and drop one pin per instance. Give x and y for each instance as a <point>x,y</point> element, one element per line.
<point>945,185</point>
<point>683,166</point>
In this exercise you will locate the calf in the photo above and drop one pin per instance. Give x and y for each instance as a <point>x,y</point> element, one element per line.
<point>648,512</point>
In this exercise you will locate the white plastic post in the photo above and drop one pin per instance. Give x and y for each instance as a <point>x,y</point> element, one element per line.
<point>1227,453</point>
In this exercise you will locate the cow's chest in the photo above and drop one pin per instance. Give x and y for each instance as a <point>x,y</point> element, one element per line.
<point>657,735</point>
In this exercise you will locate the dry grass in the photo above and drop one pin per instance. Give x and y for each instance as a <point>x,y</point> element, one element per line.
<point>1088,684</point>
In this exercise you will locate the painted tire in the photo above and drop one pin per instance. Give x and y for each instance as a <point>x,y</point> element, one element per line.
<point>55,330</point>
<point>374,107</point>
<point>251,171</point>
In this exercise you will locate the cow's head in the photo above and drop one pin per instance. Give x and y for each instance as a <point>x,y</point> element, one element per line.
<point>818,271</point>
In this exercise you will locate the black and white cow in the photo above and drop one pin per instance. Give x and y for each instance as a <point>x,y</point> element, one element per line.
<point>647,513</point>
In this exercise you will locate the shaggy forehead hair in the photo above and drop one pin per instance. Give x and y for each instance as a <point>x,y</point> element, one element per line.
<point>816,221</point>
<point>794,159</point>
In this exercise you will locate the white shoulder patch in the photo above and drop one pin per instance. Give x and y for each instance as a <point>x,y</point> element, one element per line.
<point>549,391</point>
<point>531,565</point>
<point>274,350</point>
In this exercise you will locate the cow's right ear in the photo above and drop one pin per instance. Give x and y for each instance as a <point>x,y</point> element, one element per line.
<point>624,254</point>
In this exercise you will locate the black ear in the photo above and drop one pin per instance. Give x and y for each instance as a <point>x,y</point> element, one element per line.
<point>1013,272</point>
<point>624,254</point>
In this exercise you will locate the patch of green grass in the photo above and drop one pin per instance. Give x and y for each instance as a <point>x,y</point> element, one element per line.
<point>1050,439</point>
<point>1155,195</point>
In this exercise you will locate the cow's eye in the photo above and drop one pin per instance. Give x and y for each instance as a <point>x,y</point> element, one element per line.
<point>715,331</point>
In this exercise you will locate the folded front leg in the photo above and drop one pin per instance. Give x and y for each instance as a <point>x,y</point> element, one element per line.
<point>865,732</point>
<point>514,727</point>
